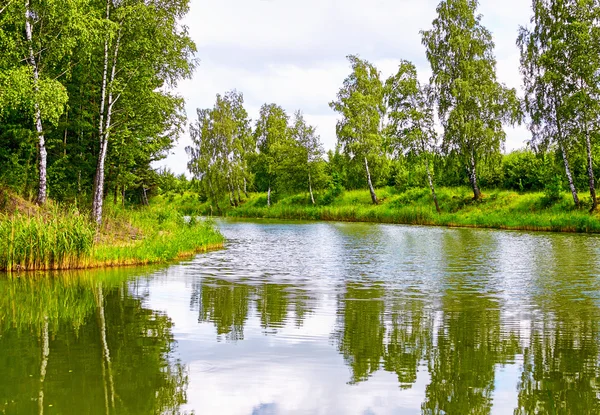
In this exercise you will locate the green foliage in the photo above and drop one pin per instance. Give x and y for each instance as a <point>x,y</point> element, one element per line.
<point>472,105</point>
<point>553,191</point>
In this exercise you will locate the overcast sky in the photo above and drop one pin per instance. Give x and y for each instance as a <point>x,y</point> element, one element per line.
<point>293,53</point>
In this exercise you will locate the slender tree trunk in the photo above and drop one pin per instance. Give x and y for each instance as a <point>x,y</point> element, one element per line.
<point>107,89</point>
<point>231,195</point>
<point>269,197</point>
<point>42,188</point>
<point>564,156</point>
<point>246,188</point>
<point>312,198</point>
<point>96,204</point>
<point>569,175</point>
<point>431,186</point>
<point>239,196</point>
<point>473,178</point>
<point>590,168</point>
<point>106,362</point>
<point>370,183</point>
<point>44,364</point>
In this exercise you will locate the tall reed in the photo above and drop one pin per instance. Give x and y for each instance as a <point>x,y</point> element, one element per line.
<point>48,241</point>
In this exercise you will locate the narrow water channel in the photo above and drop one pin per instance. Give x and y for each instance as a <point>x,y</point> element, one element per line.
<point>316,318</point>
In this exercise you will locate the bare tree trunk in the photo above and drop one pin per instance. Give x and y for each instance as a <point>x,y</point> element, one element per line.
<point>564,157</point>
<point>44,364</point>
<point>473,178</point>
<point>569,175</point>
<point>239,196</point>
<point>246,188</point>
<point>106,362</point>
<point>104,129</point>
<point>371,189</point>
<point>42,188</point>
<point>590,169</point>
<point>231,195</point>
<point>312,198</point>
<point>269,197</point>
<point>431,186</point>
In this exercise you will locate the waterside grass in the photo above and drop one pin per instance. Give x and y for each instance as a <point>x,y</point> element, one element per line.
<point>498,209</point>
<point>57,239</point>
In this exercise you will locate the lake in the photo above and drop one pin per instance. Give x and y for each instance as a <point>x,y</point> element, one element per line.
<point>315,318</point>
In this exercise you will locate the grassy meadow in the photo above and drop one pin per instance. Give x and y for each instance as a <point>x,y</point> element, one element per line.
<point>499,209</point>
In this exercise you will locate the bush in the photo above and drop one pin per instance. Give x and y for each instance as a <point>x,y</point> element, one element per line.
<point>523,171</point>
<point>335,189</point>
<point>553,191</point>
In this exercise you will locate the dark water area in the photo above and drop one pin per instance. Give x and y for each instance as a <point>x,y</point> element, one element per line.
<point>316,318</point>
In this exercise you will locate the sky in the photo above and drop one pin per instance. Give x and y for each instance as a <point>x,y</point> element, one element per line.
<point>293,53</point>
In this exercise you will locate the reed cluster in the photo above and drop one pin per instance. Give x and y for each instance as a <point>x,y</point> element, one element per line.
<point>48,241</point>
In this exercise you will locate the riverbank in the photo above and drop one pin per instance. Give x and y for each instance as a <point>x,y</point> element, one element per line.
<point>54,238</point>
<point>498,209</point>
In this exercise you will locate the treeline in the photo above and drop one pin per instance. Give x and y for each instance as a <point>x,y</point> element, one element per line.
<point>388,128</point>
<point>85,106</point>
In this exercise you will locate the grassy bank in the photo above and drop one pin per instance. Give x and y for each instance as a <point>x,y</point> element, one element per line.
<point>54,238</point>
<point>499,209</point>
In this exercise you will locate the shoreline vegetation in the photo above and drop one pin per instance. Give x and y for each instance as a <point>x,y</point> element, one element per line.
<point>497,209</point>
<point>52,238</point>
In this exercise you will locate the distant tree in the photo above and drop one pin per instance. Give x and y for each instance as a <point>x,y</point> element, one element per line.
<point>221,137</point>
<point>310,147</point>
<point>272,136</point>
<point>472,105</point>
<point>360,102</point>
<point>411,126</point>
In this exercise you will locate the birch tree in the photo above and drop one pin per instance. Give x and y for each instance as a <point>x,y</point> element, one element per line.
<point>472,105</point>
<point>144,51</point>
<point>271,135</point>
<point>560,64</point>
<point>360,104</point>
<point>411,125</point>
<point>221,138</point>
<point>310,147</point>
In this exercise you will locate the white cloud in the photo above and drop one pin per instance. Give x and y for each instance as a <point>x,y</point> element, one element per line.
<point>293,52</point>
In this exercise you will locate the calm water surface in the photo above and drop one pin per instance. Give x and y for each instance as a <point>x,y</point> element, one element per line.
<point>316,318</point>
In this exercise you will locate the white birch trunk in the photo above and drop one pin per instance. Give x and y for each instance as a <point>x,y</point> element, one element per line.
<point>312,198</point>
<point>431,186</point>
<point>105,129</point>
<point>564,157</point>
<point>42,188</point>
<point>371,189</point>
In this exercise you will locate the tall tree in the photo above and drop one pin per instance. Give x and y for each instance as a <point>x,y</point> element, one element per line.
<point>360,102</point>
<point>222,138</point>
<point>144,51</point>
<point>411,125</point>
<point>560,64</point>
<point>472,105</point>
<point>310,147</point>
<point>272,135</point>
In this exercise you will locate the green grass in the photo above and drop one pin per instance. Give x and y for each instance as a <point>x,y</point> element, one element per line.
<point>499,209</point>
<point>53,239</point>
<point>158,234</point>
